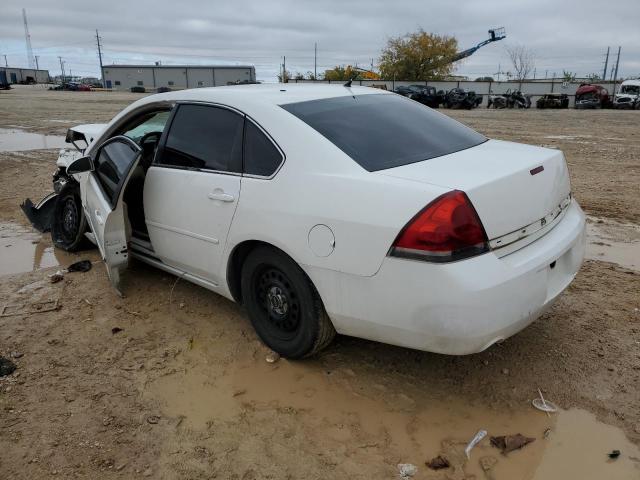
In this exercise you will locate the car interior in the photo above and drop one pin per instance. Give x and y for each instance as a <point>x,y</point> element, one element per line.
<point>146,132</point>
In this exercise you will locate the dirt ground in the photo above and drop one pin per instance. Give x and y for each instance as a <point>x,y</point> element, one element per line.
<point>183,389</point>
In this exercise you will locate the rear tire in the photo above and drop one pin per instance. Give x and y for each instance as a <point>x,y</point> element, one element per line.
<point>69,224</point>
<point>283,305</point>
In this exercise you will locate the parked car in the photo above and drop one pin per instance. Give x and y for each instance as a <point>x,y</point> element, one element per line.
<point>326,209</point>
<point>421,93</point>
<point>629,95</point>
<point>461,98</point>
<point>553,100</point>
<point>592,96</point>
<point>137,89</point>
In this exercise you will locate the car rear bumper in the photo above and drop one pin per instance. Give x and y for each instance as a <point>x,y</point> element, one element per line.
<point>461,307</point>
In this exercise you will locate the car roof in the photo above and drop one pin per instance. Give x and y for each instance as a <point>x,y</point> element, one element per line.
<point>274,94</point>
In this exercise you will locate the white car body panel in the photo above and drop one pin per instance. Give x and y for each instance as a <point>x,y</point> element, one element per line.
<point>458,308</point>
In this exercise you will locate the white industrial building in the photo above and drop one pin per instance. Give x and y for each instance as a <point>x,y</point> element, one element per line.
<point>12,75</point>
<point>151,77</point>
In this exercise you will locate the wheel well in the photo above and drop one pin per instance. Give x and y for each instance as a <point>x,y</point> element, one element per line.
<point>234,267</point>
<point>236,261</point>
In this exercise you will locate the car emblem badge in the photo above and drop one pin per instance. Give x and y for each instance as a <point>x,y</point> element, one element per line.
<point>543,222</point>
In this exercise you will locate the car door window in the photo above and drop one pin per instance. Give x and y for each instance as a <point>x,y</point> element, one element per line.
<point>154,122</point>
<point>261,157</point>
<point>204,137</point>
<point>112,165</point>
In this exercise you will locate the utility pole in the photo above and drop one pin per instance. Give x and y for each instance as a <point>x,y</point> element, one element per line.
<point>5,62</point>
<point>61,68</point>
<point>284,69</point>
<point>37,66</point>
<point>100,57</point>
<point>615,75</point>
<point>606,64</point>
<point>315,61</point>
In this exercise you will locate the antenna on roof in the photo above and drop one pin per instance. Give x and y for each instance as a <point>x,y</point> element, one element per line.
<point>357,70</point>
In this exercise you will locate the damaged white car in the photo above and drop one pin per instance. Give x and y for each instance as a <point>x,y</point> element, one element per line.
<point>326,209</point>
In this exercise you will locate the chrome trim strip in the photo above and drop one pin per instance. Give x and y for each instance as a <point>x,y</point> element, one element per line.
<point>162,226</point>
<point>545,223</point>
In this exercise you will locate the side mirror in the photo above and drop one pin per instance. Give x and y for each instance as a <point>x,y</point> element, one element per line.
<point>81,165</point>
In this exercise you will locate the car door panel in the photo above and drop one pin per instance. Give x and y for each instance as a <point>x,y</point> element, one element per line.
<point>114,162</point>
<point>188,215</point>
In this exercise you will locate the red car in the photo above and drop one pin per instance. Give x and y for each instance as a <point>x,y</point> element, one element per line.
<point>592,96</point>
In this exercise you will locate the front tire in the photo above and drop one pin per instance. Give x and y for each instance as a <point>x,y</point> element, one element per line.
<point>283,305</point>
<point>69,224</point>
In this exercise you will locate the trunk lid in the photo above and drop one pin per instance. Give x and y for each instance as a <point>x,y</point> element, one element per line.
<point>501,181</point>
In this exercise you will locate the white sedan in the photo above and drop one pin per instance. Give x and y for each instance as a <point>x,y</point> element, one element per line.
<point>327,209</point>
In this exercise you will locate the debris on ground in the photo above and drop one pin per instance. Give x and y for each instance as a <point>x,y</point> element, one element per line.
<point>273,357</point>
<point>474,441</point>
<point>115,330</point>
<point>438,463</point>
<point>546,433</point>
<point>153,419</point>
<point>7,367</point>
<point>56,277</point>
<point>407,470</point>
<point>613,454</point>
<point>17,354</point>
<point>29,308</point>
<point>487,463</point>
<point>544,405</point>
<point>80,266</point>
<point>509,443</point>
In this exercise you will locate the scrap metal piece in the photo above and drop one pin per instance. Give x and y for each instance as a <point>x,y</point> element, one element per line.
<point>41,214</point>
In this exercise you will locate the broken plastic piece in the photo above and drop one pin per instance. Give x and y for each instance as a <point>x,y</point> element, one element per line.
<point>40,215</point>
<point>613,454</point>
<point>509,443</point>
<point>81,266</point>
<point>438,463</point>
<point>544,405</point>
<point>7,367</point>
<point>474,441</point>
<point>407,470</point>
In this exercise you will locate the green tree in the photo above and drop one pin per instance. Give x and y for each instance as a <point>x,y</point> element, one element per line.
<point>342,73</point>
<point>418,56</point>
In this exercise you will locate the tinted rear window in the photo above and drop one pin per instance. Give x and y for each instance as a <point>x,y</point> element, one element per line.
<point>382,131</point>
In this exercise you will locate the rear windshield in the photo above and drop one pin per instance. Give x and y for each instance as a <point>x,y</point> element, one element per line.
<point>382,131</point>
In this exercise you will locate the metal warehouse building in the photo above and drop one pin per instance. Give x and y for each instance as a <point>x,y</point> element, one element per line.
<point>23,75</point>
<point>123,77</point>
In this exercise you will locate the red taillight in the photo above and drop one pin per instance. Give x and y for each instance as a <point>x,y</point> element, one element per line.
<point>447,229</point>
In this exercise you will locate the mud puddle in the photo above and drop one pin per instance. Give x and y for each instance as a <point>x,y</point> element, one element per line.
<point>24,250</point>
<point>612,241</point>
<point>409,428</point>
<point>15,140</point>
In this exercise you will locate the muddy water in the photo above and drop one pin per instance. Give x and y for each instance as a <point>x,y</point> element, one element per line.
<point>16,140</point>
<point>413,429</point>
<point>24,250</point>
<point>612,241</point>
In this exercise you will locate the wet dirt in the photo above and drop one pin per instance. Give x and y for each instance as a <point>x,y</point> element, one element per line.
<point>24,250</point>
<point>15,140</point>
<point>414,429</point>
<point>614,242</point>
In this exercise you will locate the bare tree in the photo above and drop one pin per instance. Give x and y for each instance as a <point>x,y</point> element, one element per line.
<point>522,59</point>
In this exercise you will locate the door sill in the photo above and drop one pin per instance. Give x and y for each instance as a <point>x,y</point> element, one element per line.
<point>156,262</point>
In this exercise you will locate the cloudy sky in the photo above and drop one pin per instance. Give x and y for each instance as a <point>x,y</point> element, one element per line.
<point>564,34</point>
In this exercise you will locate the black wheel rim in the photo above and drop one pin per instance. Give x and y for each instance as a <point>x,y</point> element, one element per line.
<point>70,219</point>
<point>278,300</point>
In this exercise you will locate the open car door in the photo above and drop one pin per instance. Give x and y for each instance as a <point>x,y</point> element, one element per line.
<point>110,171</point>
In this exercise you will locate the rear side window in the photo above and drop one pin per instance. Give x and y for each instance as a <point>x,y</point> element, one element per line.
<point>381,131</point>
<point>204,137</point>
<point>261,157</point>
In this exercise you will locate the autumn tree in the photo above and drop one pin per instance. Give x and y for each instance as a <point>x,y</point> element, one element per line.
<point>418,56</point>
<point>342,73</point>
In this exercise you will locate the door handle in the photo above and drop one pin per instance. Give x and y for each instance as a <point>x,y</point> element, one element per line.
<point>99,217</point>
<point>224,197</point>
